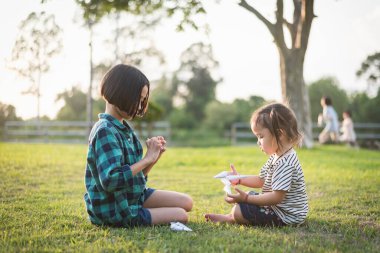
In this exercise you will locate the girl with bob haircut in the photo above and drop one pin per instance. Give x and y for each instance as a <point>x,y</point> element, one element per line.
<point>116,170</point>
<point>283,200</point>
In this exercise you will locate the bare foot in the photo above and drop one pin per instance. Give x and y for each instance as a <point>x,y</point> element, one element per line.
<point>222,218</point>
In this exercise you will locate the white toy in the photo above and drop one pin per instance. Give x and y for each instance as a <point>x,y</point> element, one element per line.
<point>226,178</point>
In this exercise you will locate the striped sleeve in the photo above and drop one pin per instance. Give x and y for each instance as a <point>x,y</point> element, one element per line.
<point>264,169</point>
<point>113,175</point>
<point>282,177</point>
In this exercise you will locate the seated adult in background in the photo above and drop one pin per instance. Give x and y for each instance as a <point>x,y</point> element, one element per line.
<point>347,129</point>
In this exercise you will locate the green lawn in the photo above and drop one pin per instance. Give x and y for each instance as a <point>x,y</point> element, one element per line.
<point>42,209</point>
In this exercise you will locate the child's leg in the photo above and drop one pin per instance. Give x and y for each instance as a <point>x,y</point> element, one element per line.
<point>164,215</point>
<point>244,213</point>
<point>221,218</point>
<point>323,137</point>
<point>238,216</point>
<point>160,198</point>
<point>334,137</point>
<point>234,217</point>
<point>257,215</point>
<point>167,206</point>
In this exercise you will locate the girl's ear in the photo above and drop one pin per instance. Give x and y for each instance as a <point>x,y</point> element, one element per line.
<point>282,134</point>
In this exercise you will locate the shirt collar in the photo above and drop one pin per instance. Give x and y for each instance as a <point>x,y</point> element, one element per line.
<point>277,158</point>
<point>122,126</point>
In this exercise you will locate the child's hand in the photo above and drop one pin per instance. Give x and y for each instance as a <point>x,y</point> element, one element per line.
<point>241,196</point>
<point>229,200</point>
<point>154,147</point>
<point>162,140</point>
<point>234,172</point>
<point>320,119</point>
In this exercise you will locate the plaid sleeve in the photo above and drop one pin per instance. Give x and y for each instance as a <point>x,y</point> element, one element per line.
<point>113,174</point>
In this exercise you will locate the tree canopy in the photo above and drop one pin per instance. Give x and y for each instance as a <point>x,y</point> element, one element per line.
<point>38,41</point>
<point>7,113</point>
<point>74,107</point>
<point>193,81</point>
<point>95,9</point>
<point>370,70</point>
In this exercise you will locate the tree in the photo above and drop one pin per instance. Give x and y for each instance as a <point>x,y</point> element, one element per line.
<point>74,107</point>
<point>364,108</point>
<point>131,43</point>
<point>221,116</point>
<point>38,41</point>
<point>131,40</point>
<point>7,113</point>
<point>163,95</point>
<point>98,8</point>
<point>245,108</point>
<point>153,114</point>
<point>370,69</point>
<point>193,81</point>
<point>327,86</point>
<point>94,10</point>
<point>179,118</point>
<point>292,57</point>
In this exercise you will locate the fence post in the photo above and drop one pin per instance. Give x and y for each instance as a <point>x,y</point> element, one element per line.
<point>5,135</point>
<point>233,134</point>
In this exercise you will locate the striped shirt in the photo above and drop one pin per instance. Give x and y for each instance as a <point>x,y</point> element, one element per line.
<point>285,174</point>
<point>114,196</point>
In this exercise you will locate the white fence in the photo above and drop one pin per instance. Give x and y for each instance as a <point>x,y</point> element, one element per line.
<point>70,131</point>
<point>241,133</point>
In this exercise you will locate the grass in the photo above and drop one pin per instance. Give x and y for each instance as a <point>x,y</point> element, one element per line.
<point>42,208</point>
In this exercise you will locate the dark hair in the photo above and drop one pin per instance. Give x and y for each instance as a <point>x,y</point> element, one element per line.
<point>327,100</point>
<point>122,85</point>
<point>278,119</point>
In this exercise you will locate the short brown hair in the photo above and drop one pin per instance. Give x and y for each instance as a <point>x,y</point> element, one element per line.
<point>122,86</point>
<point>278,119</point>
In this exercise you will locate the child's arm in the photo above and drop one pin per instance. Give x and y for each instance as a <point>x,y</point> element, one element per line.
<point>152,155</point>
<point>162,141</point>
<point>149,167</point>
<point>109,160</point>
<point>142,165</point>
<point>266,199</point>
<point>252,181</point>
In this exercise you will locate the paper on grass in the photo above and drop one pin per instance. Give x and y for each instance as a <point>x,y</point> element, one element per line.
<point>178,226</point>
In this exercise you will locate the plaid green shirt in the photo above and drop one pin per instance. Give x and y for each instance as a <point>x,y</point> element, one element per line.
<point>113,195</point>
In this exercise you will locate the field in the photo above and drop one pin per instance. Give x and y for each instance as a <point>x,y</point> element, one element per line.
<point>42,208</point>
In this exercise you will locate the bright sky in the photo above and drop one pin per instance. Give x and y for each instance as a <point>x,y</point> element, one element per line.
<point>342,35</point>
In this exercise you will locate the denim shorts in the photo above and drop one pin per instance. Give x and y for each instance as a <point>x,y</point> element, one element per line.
<point>144,217</point>
<point>260,215</point>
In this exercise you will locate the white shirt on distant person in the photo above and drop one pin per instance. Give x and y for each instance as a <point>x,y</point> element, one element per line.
<point>347,130</point>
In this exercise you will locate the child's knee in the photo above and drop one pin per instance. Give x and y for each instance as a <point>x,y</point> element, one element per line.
<point>187,203</point>
<point>182,216</point>
<point>237,215</point>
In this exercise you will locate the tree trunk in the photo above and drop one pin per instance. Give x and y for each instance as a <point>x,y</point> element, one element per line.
<point>294,91</point>
<point>89,93</point>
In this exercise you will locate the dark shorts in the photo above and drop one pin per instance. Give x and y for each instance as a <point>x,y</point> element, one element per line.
<point>144,217</point>
<point>260,215</point>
